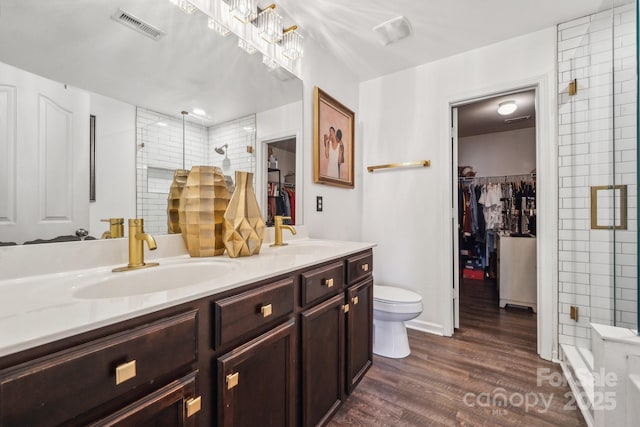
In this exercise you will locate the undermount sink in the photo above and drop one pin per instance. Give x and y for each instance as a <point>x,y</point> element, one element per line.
<point>154,279</point>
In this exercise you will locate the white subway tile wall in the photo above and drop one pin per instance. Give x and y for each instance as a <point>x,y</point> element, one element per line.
<point>596,146</point>
<point>159,152</point>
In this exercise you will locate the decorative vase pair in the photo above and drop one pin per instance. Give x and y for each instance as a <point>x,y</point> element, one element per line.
<point>211,221</point>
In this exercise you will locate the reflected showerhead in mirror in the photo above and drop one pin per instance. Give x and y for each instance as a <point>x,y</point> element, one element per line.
<point>221,150</point>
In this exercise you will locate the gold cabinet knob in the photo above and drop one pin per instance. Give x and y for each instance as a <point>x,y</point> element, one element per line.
<point>266,310</point>
<point>232,380</point>
<point>193,406</point>
<point>328,283</point>
<point>345,308</point>
<point>365,267</point>
<point>355,300</point>
<point>125,372</point>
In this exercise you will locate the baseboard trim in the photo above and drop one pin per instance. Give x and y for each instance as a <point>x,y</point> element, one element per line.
<point>420,325</point>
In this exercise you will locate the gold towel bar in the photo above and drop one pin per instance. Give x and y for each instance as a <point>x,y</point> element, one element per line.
<point>423,163</point>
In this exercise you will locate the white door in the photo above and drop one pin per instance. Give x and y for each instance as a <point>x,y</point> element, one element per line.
<point>44,142</point>
<point>455,225</point>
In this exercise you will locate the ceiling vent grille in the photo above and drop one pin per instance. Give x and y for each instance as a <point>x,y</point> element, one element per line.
<point>127,19</point>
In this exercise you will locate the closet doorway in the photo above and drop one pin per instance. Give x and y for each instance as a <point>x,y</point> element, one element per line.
<point>495,216</point>
<point>281,180</point>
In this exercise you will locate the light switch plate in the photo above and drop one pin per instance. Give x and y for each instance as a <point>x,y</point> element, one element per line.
<point>319,203</point>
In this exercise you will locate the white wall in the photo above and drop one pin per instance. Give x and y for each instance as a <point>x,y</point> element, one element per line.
<point>503,153</point>
<point>115,162</point>
<point>342,214</point>
<point>404,117</point>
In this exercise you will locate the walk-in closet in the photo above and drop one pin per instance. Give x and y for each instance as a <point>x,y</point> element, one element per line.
<point>497,194</point>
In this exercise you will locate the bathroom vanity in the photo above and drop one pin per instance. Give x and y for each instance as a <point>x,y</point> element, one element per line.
<point>278,339</point>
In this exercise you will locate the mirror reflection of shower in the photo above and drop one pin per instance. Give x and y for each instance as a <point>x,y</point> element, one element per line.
<point>226,163</point>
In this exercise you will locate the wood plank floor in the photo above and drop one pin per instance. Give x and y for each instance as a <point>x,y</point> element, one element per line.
<point>464,380</point>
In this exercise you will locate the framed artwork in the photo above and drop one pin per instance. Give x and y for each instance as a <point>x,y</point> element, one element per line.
<point>333,141</point>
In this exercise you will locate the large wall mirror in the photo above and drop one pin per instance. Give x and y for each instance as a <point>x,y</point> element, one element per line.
<point>62,61</point>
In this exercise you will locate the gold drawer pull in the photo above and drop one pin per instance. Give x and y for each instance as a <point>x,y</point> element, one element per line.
<point>193,406</point>
<point>232,380</point>
<point>328,283</point>
<point>355,300</point>
<point>125,372</point>
<point>345,308</point>
<point>365,267</point>
<point>266,310</point>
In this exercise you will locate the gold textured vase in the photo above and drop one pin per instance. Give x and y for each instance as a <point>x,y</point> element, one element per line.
<point>173,201</point>
<point>243,223</point>
<point>202,205</point>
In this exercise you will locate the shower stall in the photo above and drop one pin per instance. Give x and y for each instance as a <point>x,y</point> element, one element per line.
<point>597,206</point>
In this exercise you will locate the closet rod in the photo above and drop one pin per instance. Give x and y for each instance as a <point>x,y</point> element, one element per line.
<point>423,163</point>
<point>497,178</point>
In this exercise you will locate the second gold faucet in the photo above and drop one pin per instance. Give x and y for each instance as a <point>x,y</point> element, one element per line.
<point>137,237</point>
<point>279,226</point>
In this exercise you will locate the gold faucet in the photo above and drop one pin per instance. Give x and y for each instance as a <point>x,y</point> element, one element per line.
<point>137,237</point>
<point>278,230</point>
<point>116,228</point>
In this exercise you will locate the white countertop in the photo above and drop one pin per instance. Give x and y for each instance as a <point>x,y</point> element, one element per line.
<point>38,309</point>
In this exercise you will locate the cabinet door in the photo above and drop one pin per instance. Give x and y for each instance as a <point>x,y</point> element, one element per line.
<point>322,360</point>
<point>174,405</point>
<point>256,381</point>
<point>359,332</point>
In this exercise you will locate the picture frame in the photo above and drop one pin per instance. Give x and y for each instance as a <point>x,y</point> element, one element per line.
<point>333,141</point>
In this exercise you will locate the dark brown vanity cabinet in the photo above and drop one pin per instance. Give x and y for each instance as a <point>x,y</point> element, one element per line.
<point>282,352</point>
<point>256,381</point>
<point>322,372</point>
<point>359,332</point>
<point>111,375</point>
<point>171,406</point>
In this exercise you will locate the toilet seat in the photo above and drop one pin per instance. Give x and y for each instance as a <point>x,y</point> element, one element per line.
<point>396,300</point>
<point>395,295</point>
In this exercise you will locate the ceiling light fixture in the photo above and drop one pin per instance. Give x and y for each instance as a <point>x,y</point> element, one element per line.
<point>270,24</point>
<point>244,10</point>
<point>258,30</point>
<point>185,6</point>
<point>507,107</point>
<point>199,112</point>
<point>218,27</point>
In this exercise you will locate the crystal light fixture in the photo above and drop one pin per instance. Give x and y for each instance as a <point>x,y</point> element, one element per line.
<point>271,63</point>
<point>246,46</point>
<point>292,43</point>
<point>218,27</point>
<point>270,24</point>
<point>185,6</point>
<point>244,10</point>
<point>257,29</point>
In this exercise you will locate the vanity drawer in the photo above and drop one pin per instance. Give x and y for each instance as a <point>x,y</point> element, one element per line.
<point>359,266</point>
<point>322,282</point>
<point>242,314</point>
<point>55,389</point>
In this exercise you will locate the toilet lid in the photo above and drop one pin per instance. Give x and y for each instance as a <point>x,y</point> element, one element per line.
<point>393,294</point>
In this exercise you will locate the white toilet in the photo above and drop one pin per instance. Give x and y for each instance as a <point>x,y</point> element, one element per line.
<point>391,308</point>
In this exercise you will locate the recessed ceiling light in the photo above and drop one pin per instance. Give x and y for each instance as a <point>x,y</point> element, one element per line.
<point>507,107</point>
<point>199,112</point>
<point>393,30</point>
<point>162,124</point>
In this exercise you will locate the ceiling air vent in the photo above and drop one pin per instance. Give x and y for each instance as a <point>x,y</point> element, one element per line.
<point>125,18</point>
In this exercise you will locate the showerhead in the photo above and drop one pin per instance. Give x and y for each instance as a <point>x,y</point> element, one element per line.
<point>220,150</point>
